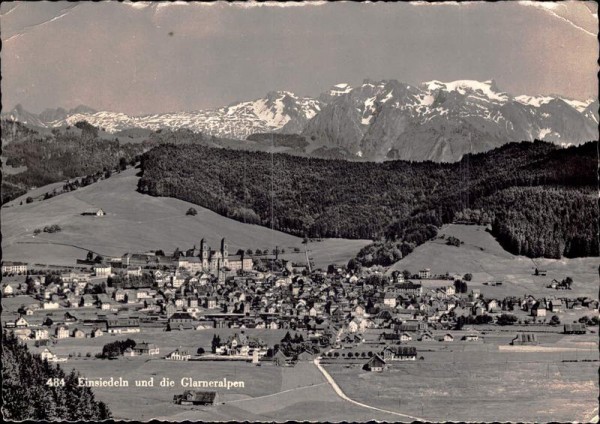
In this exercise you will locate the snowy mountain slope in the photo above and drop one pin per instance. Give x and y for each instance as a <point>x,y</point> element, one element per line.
<point>375,120</point>
<point>280,111</point>
<point>443,121</point>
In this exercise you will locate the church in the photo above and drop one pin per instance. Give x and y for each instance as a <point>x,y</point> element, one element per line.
<point>206,259</point>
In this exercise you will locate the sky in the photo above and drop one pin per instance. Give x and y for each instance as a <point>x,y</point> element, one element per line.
<point>142,58</point>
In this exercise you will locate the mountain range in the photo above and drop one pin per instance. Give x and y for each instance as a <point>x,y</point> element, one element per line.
<point>376,120</point>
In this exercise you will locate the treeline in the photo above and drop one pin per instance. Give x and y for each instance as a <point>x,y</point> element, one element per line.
<point>545,222</point>
<point>62,154</point>
<point>397,202</point>
<point>35,390</point>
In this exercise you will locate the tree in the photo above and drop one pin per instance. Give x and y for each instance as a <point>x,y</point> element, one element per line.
<point>554,320</point>
<point>406,274</point>
<point>215,343</point>
<point>29,200</point>
<point>200,351</point>
<point>468,277</point>
<point>37,231</point>
<point>192,212</point>
<point>122,164</point>
<point>249,251</point>
<point>90,256</point>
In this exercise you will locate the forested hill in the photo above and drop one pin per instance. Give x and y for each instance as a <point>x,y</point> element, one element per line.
<point>521,188</point>
<point>27,394</point>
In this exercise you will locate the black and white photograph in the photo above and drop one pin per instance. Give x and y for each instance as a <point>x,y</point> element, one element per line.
<point>310,211</point>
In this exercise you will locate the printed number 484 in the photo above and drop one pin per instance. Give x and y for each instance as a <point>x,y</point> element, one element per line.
<point>55,382</point>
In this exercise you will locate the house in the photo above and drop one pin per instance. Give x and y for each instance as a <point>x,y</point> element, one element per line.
<point>389,300</point>
<point>375,364</point>
<point>399,353</point>
<point>405,337</point>
<point>447,338</point>
<point>181,320</point>
<point>191,397</point>
<point>305,356</point>
<point>538,310</point>
<point>40,334</point>
<point>129,352</point>
<point>21,323</point>
<point>8,291</point>
<point>424,273</point>
<point>93,212</point>
<point>102,270</point>
<point>556,305</point>
<point>61,332</point>
<point>409,288</point>
<point>146,349</point>
<point>470,337</point>
<point>178,355</point>
<point>87,301</point>
<point>280,359</point>
<point>47,355</point>
<point>78,334</point>
<point>96,332</point>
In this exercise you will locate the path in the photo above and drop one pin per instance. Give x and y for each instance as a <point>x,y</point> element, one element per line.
<point>276,394</point>
<point>341,394</point>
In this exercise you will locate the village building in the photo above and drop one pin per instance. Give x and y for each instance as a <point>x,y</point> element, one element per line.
<point>179,355</point>
<point>146,349</point>
<point>93,212</point>
<point>12,267</point>
<point>191,397</point>
<point>61,332</point>
<point>375,364</point>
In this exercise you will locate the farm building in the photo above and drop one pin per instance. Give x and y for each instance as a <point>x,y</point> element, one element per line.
<point>575,328</point>
<point>399,353</point>
<point>190,397</point>
<point>280,359</point>
<point>146,349</point>
<point>93,212</point>
<point>524,339</point>
<point>470,337</point>
<point>179,355</point>
<point>305,356</point>
<point>375,364</point>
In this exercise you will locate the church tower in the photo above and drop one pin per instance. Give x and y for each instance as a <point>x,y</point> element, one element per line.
<point>224,253</point>
<point>204,254</point>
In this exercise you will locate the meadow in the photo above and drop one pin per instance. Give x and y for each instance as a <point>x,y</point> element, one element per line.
<point>462,382</point>
<point>136,223</point>
<point>483,257</point>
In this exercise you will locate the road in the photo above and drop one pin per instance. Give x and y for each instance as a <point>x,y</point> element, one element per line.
<point>341,394</point>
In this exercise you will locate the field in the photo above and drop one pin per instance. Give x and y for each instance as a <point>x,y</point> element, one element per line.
<point>478,382</point>
<point>484,258</point>
<point>270,393</point>
<point>135,223</point>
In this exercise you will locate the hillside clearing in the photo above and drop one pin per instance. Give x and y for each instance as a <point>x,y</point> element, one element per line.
<point>135,223</point>
<point>483,257</point>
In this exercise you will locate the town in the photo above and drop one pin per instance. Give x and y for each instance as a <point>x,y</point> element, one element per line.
<point>203,289</point>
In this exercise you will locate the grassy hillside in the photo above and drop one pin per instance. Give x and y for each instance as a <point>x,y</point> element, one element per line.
<point>483,257</point>
<point>136,222</point>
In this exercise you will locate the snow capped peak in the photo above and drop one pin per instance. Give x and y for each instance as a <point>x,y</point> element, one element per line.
<point>536,101</point>
<point>339,89</point>
<point>487,88</point>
